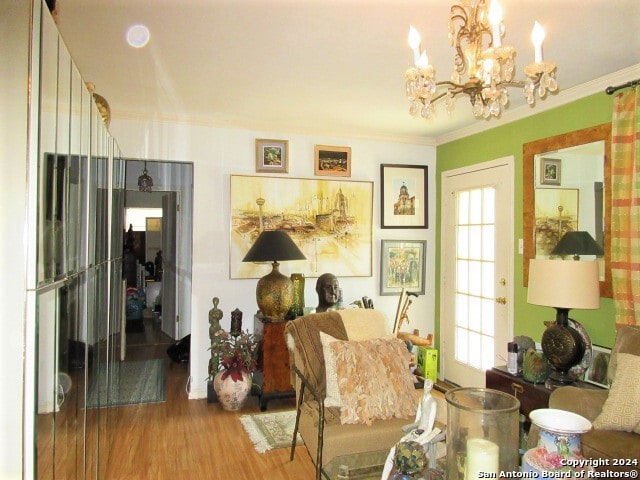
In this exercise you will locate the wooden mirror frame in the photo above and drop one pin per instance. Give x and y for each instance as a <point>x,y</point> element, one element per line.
<point>529,150</point>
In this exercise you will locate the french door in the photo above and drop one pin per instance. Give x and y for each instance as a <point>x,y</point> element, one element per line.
<point>477,270</point>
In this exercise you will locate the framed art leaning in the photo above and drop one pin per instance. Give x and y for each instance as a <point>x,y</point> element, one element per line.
<point>597,371</point>
<point>403,196</point>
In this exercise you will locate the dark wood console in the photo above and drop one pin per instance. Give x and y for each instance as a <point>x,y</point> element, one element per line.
<point>273,375</point>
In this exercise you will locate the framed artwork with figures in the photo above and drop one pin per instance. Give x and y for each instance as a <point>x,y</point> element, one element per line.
<point>402,266</point>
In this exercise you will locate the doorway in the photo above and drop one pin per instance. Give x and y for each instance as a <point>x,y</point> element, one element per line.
<point>159,224</point>
<point>477,270</point>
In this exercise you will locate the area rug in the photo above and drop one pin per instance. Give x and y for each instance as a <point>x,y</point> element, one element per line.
<point>133,382</point>
<point>271,430</point>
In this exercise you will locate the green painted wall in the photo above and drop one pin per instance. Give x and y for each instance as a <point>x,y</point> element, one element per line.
<point>506,140</point>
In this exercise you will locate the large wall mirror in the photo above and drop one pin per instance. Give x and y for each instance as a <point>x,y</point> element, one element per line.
<point>567,187</point>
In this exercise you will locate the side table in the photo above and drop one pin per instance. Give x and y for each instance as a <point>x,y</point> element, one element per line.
<point>531,396</point>
<point>273,375</point>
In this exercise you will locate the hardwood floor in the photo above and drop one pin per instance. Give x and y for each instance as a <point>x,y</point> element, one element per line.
<point>184,439</point>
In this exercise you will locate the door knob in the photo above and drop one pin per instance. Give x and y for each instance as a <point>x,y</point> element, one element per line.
<point>501,300</point>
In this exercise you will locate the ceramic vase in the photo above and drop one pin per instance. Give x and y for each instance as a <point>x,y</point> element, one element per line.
<point>297,307</point>
<point>559,448</point>
<point>232,395</point>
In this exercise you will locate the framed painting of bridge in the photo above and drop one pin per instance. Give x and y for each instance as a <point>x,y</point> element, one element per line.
<point>329,220</point>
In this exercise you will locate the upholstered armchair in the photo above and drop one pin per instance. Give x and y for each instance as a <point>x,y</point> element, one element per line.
<point>614,413</point>
<point>353,385</point>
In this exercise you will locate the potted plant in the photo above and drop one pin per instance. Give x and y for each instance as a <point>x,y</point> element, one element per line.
<point>231,365</point>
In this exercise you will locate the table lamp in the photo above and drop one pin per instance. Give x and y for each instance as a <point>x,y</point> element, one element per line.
<point>274,292</point>
<point>576,244</point>
<point>563,285</point>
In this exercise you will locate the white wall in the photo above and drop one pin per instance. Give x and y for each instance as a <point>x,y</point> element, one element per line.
<point>216,154</point>
<point>14,76</point>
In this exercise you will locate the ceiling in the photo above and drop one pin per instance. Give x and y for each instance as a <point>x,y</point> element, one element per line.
<point>318,66</point>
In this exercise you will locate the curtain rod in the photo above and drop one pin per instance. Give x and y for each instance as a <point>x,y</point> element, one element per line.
<point>632,83</point>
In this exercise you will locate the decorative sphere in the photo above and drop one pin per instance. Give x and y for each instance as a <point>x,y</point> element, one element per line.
<point>410,457</point>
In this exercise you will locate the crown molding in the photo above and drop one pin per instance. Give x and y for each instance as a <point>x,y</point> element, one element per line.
<point>562,98</point>
<point>129,115</point>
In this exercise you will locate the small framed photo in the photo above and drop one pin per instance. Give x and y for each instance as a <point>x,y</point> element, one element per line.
<point>402,264</point>
<point>550,170</point>
<point>272,156</point>
<point>403,196</point>
<point>597,372</point>
<point>332,161</point>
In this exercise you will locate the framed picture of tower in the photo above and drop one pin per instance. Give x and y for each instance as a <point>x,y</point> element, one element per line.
<point>403,196</point>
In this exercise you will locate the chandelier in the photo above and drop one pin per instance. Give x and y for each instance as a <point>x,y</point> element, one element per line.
<point>145,182</point>
<point>481,72</point>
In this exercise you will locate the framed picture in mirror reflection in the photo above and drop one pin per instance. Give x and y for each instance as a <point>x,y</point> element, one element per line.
<point>550,170</point>
<point>556,213</point>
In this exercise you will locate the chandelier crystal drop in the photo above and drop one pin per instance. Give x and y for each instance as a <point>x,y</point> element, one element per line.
<point>483,73</point>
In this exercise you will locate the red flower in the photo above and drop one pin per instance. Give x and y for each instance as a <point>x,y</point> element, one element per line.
<point>235,366</point>
<point>233,354</point>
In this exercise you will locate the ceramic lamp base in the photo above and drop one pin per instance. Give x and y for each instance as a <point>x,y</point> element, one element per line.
<point>274,294</point>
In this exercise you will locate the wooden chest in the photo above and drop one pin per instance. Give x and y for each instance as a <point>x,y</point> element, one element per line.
<point>531,396</point>
<point>273,375</point>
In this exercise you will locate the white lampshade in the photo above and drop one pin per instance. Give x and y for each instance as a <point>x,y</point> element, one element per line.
<point>564,284</point>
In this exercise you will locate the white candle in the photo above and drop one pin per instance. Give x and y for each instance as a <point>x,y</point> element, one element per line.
<point>423,61</point>
<point>495,19</point>
<point>482,457</point>
<point>537,37</point>
<point>414,43</point>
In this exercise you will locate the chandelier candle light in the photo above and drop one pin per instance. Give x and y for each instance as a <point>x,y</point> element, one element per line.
<point>489,70</point>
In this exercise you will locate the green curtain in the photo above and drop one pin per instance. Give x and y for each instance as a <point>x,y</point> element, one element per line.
<point>625,206</point>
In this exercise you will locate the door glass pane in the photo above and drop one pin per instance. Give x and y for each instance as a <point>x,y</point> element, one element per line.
<point>475,278</point>
<point>475,321</point>
<point>463,208</point>
<point>488,242</point>
<point>462,310</point>
<point>489,205</point>
<point>475,309</point>
<point>475,242</point>
<point>475,353</point>
<point>475,206</point>
<point>462,345</point>
<point>488,320</point>
<point>463,276</point>
<point>463,241</point>
<point>487,279</point>
<point>487,352</point>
